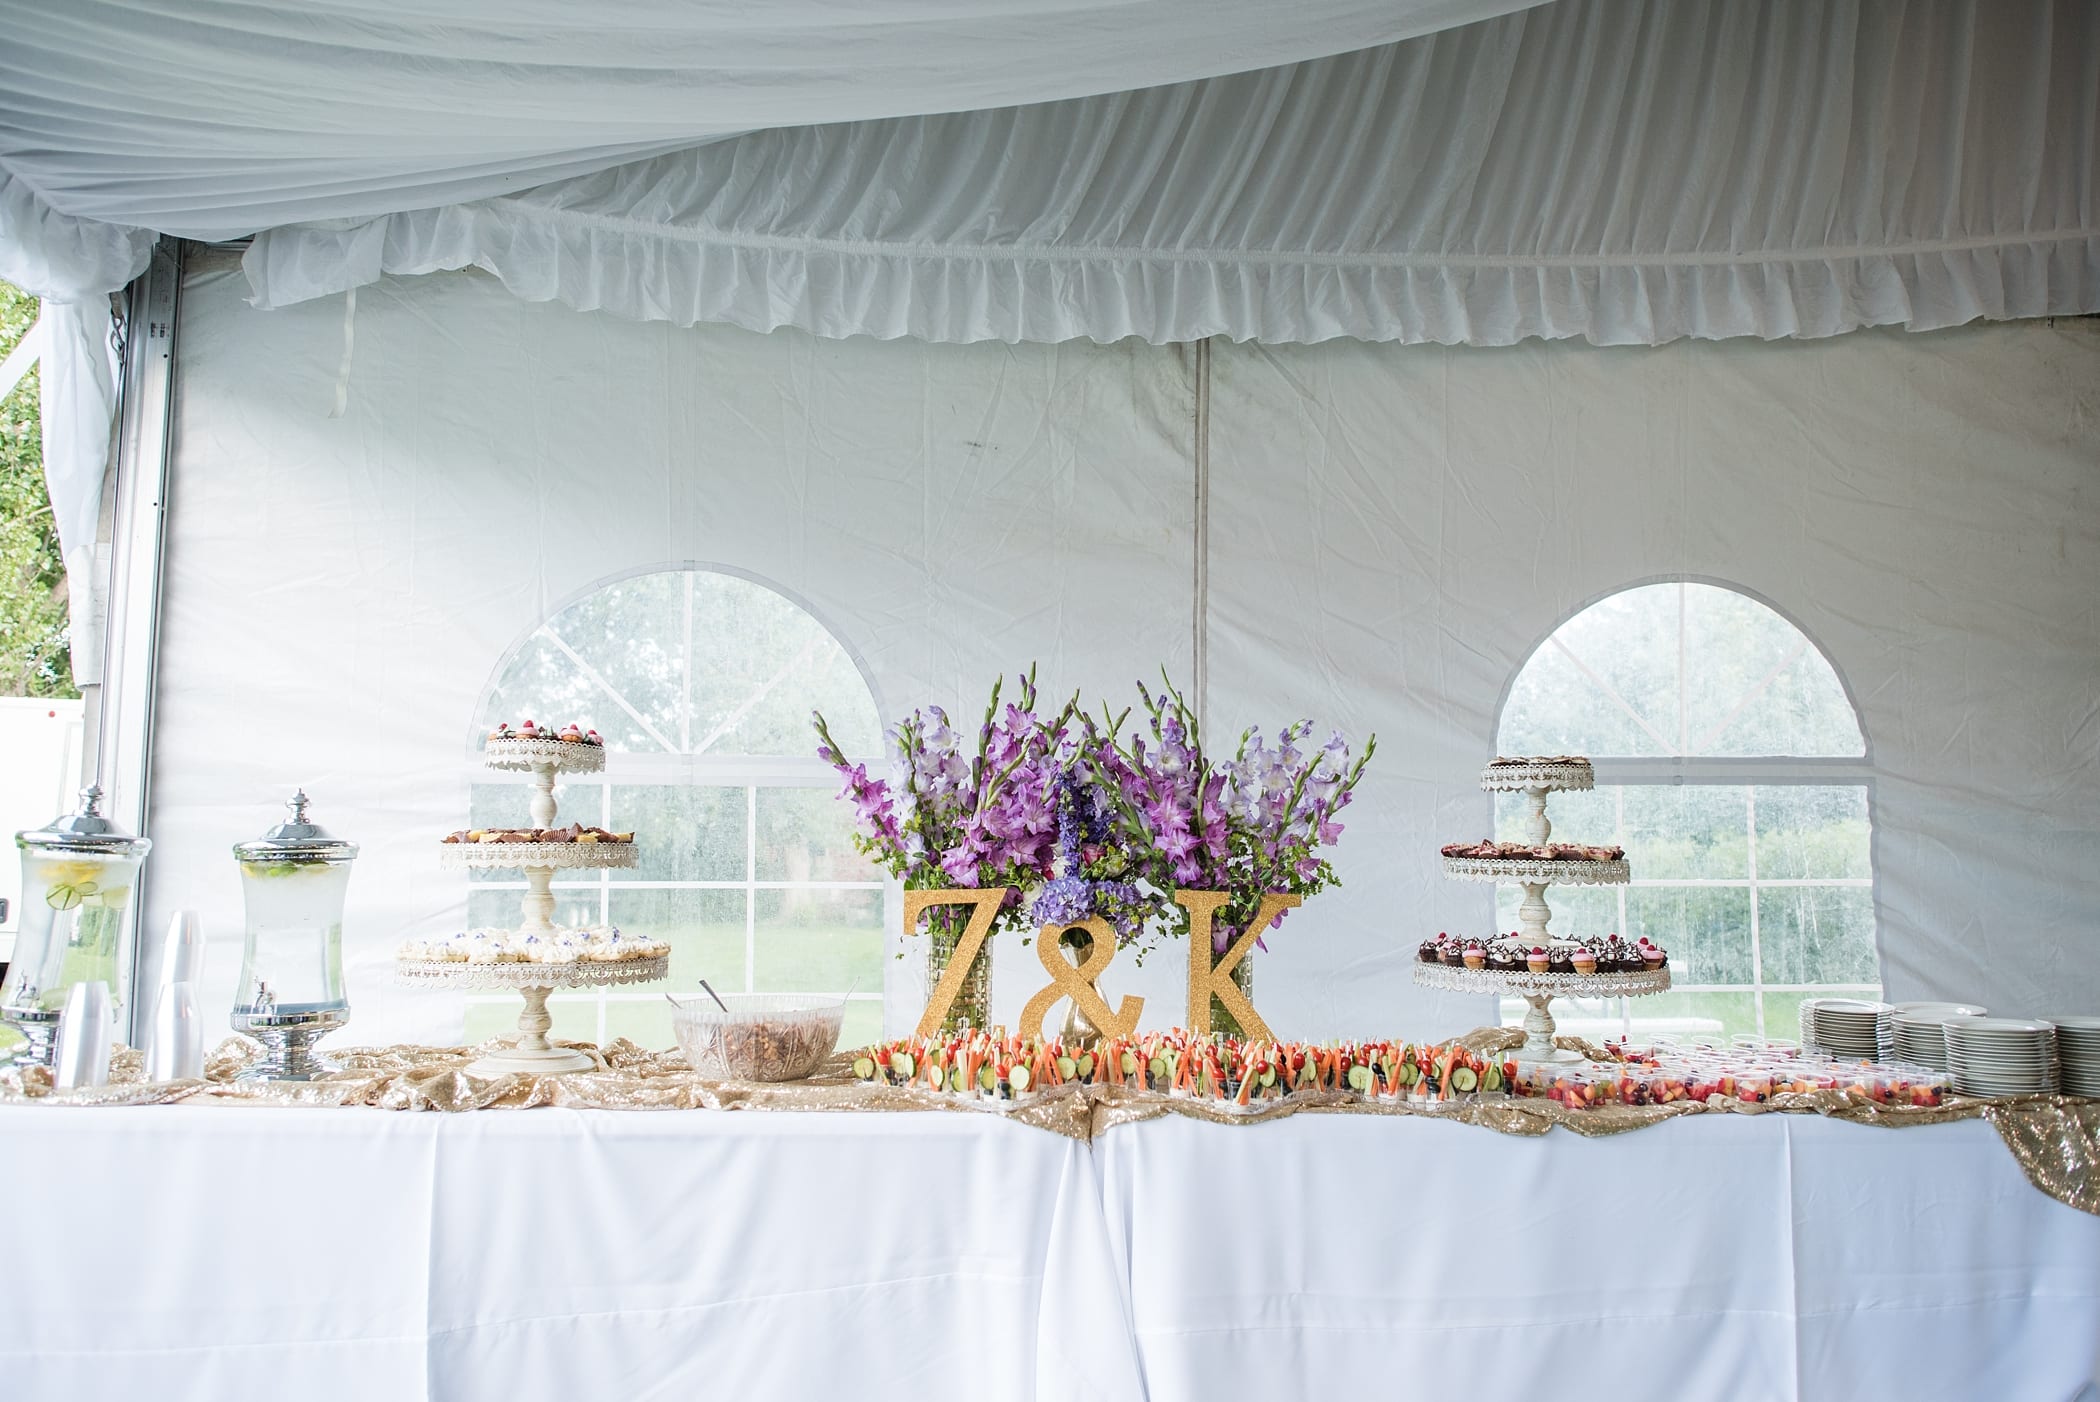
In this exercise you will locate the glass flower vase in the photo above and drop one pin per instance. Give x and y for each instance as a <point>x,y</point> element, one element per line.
<point>973,1001</point>
<point>1221,1018</point>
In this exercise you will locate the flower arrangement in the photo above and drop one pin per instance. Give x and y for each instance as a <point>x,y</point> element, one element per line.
<point>1094,869</point>
<point>948,818</point>
<point>1091,822</point>
<point>1248,826</point>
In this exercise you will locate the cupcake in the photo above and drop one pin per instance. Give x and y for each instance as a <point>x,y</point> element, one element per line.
<point>1453,953</point>
<point>1559,959</point>
<point>1652,956</point>
<point>1537,961</point>
<point>1503,955</point>
<point>1584,960</point>
<point>570,733</point>
<point>1426,952</point>
<point>1476,955</point>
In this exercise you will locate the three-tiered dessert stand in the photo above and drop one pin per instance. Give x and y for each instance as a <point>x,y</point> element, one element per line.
<point>1535,779</point>
<point>533,1054</point>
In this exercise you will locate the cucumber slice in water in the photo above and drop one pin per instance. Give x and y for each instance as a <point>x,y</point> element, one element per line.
<point>1360,1079</point>
<point>1465,1078</point>
<point>864,1067</point>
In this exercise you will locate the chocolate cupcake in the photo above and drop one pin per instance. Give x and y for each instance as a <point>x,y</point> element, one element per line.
<point>1560,959</point>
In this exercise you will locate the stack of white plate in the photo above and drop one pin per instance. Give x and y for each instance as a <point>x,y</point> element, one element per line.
<point>1850,1029</point>
<point>2078,1043</point>
<point>1917,1031</point>
<point>2001,1055</point>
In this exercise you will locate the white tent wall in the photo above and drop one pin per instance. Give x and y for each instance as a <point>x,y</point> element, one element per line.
<point>1406,525</point>
<point>341,591</point>
<point>1392,530</point>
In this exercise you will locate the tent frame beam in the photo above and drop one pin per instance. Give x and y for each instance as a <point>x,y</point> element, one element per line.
<point>121,751</point>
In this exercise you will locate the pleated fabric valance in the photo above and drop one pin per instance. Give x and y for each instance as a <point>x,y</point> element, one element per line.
<point>1623,171</point>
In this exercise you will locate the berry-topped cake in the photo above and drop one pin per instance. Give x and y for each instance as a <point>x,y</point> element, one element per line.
<point>570,749</point>
<point>568,734</point>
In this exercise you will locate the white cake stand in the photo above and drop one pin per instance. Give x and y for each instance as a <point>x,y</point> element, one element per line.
<point>543,758</point>
<point>1535,780</point>
<point>1540,990</point>
<point>539,861</point>
<point>532,1055</point>
<point>1535,876</point>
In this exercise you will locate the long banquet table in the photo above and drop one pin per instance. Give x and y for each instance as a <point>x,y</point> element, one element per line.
<point>213,1252</point>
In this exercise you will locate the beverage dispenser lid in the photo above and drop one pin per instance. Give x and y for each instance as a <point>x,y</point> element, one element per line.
<point>85,831</point>
<point>296,840</point>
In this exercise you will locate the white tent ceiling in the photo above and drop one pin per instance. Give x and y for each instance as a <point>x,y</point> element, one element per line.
<point>215,119</point>
<point>1625,171</point>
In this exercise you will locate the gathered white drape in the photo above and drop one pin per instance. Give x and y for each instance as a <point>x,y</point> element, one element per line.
<point>72,264</point>
<point>1617,171</point>
<point>213,118</point>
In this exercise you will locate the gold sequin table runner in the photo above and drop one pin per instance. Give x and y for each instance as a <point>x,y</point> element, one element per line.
<point>2055,1139</point>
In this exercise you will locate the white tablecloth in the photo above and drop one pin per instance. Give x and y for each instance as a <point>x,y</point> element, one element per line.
<point>1724,1257</point>
<point>369,1256</point>
<point>223,1253</point>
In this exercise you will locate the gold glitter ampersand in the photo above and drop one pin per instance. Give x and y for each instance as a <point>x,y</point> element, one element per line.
<point>1076,981</point>
<point>1211,977</point>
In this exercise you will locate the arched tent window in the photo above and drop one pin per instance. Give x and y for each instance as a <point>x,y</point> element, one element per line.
<point>701,683</point>
<point>1731,765</point>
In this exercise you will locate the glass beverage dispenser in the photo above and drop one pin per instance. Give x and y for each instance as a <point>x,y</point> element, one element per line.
<point>291,995</point>
<point>78,874</point>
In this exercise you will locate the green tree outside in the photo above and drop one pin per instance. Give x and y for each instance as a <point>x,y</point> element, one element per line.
<point>35,654</point>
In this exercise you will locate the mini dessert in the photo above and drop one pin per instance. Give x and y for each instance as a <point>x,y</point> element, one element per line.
<point>603,944</point>
<point>1652,956</point>
<point>1560,958</point>
<point>571,734</point>
<point>1529,852</point>
<point>1426,952</point>
<point>1506,955</point>
<point>1537,960</point>
<point>576,832</point>
<point>1584,960</point>
<point>1451,952</point>
<point>1476,955</point>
